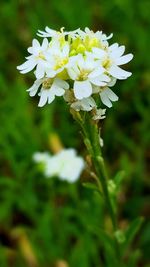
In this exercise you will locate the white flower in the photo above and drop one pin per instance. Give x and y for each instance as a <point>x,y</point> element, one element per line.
<point>99,35</point>
<point>81,60</point>
<point>115,54</point>
<point>86,104</point>
<point>86,72</point>
<point>106,94</point>
<point>112,59</point>
<point>100,114</point>
<point>57,57</point>
<point>37,58</point>
<point>50,88</point>
<point>66,165</point>
<point>52,33</point>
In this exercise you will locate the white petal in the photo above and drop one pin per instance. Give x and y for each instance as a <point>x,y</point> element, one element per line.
<point>61,83</point>
<point>73,75</point>
<point>50,31</point>
<point>105,99</point>
<point>124,59</point>
<point>39,71</point>
<point>112,96</point>
<point>118,73</point>
<point>82,89</point>
<point>51,96</point>
<point>35,44</point>
<point>98,71</point>
<point>99,53</point>
<point>57,90</point>
<point>34,88</point>
<point>43,98</point>
<point>26,65</point>
<point>30,50</point>
<point>113,46</point>
<point>112,82</point>
<point>44,44</point>
<point>31,67</point>
<point>50,73</point>
<point>117,52</point>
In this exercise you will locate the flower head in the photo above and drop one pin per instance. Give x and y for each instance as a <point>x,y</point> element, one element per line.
<point>81,62</point>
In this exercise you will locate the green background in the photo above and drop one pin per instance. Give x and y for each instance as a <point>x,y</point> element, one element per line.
<point>41,220</point>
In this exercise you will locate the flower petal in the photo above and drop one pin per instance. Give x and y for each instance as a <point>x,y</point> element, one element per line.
<point>124,59</point>
<point>51,96</point>
<point>44,44</point>
<point>82,89</point>
<point>105,99</point>
<point>96,72</point>
<point>112,96</point>
<point>99,53</point>
<point>119,73</point>
<point>43,97</point>
<point>34,88</point>
<point>39,73</point>
<point>61,83</point>
<point>27,64</point>
<point>35,44</point>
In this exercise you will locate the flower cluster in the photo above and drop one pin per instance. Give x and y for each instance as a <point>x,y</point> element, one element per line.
<point>66,165</point>
<point>78,65</point>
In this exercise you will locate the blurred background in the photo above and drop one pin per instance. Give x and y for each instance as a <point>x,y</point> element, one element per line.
<point>44,222</point>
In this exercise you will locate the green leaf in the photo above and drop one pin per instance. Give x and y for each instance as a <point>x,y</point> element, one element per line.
<point>132,231</point>
<point>91,186</point>
<point>118,179</point>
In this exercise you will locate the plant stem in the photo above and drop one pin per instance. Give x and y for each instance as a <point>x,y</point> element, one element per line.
<point>92,141</point>
<point>91,135</point>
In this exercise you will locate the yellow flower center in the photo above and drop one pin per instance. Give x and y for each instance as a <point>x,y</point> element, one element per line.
<point>83,75</point>
<point>60,62</point>
<point>107,62</point>
<point>47,83</point>
<point>41,56</point>
<point>63,75</point>
<point>80,46</point>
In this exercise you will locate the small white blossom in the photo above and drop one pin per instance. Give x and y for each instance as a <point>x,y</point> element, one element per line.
<point>36,59</point>
<point>112,59</point>
<point>50,88</point>
<point>66,165</point>
<point>86,104</point>
<point>58,58</point>
<point>100,114</point>
<point>85,73</point>
<point>52,33</point>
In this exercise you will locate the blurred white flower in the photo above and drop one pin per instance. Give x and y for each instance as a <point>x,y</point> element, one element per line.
<point>41,157</point>
<point>66,165</point>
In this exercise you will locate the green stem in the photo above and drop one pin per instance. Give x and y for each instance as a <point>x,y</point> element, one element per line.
<point>92,142</point>
<point>91,135</point>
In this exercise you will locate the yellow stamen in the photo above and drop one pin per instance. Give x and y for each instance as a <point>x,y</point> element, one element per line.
<point>60,63</point>
<point>47,83</point>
